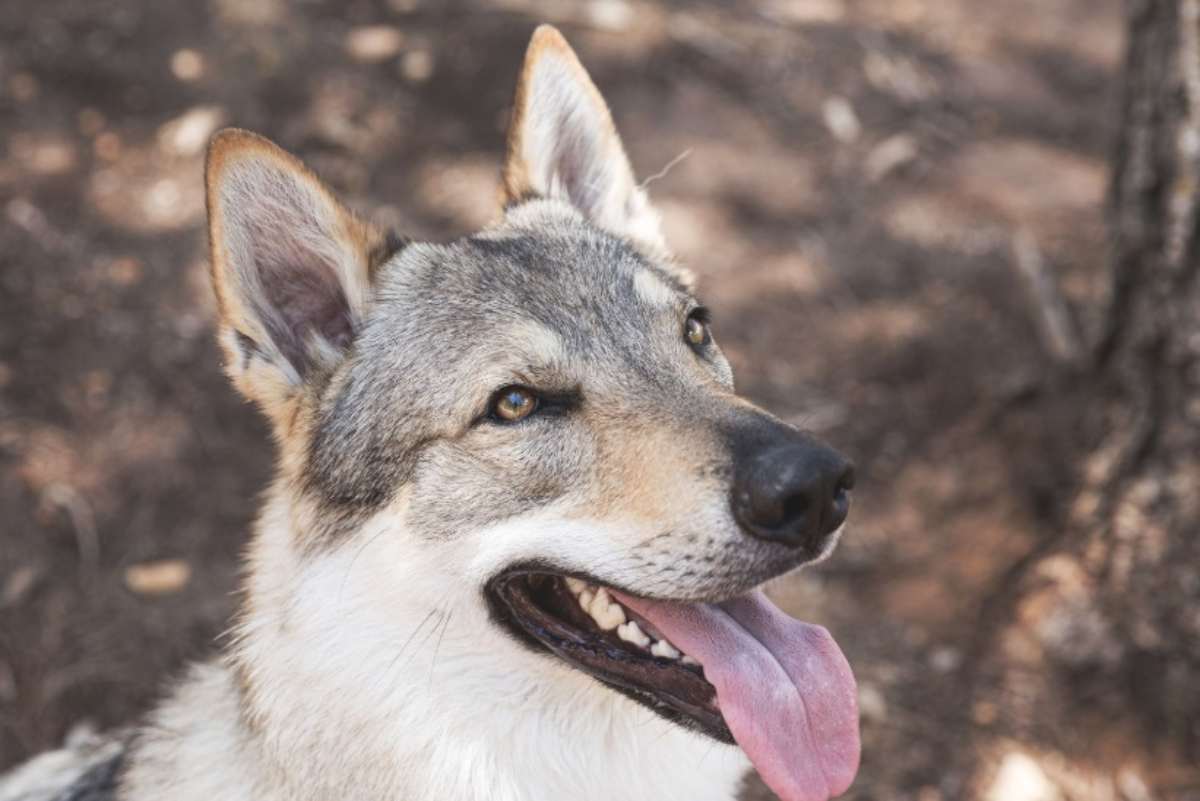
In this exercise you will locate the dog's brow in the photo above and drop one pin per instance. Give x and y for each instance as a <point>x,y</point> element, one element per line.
<point>534,340</point>
<point>653,290</point>
<point>546,376</point>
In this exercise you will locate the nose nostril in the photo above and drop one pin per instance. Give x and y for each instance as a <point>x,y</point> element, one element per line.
<point>840,505</point>
<point>845,482</point>
<point>795,506</point>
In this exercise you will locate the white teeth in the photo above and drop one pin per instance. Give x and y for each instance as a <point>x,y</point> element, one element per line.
<point>600,601</point>
<point>607,614</point>
<point>631,632</point>
<point>664,649</point>
<point>596,601</point>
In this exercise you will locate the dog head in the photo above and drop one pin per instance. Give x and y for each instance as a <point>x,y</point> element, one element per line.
<point>542,407</point>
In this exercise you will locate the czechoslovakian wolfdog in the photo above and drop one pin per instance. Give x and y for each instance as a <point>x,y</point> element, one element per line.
<point>514,545</point>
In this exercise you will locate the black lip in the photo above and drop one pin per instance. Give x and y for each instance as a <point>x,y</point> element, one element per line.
<point>518,598</point>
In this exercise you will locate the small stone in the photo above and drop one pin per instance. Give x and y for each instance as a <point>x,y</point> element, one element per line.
<point>417,65</point>
<point>841,120</point>
<point>373,43</point>
<point>18,585</point>
<point>889,155</point>
<point>945,659</point>
<point>187,64</point>
<point>872,706</point>
<point>164,577</point>
<point>188,134</point>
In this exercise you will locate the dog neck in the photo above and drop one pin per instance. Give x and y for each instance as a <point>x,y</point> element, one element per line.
<point>358,674</point>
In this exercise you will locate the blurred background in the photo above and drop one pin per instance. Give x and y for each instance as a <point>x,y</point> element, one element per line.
<point>896,209</point>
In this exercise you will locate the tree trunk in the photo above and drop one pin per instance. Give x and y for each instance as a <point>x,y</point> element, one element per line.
<point>1138,509</point>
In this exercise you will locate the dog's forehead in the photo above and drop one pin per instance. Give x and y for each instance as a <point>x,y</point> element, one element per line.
<point>542,273</point>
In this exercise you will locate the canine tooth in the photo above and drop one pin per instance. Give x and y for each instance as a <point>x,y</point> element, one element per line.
<point>613,617</point>
<point>585,600</point>
<point>664,649</point>
<point>600,601</point>
<point>607,613</point>
<point>575,585</point>
<point>687,660</point>
<point>632,632</point>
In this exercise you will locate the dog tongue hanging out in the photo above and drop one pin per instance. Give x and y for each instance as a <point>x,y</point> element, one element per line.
<point>783,688</point>
<point>521,519</point>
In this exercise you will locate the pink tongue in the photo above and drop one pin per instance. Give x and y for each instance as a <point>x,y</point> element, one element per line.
<point>784,688</point>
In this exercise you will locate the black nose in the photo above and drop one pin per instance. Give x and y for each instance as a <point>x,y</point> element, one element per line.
<point>794,492</point>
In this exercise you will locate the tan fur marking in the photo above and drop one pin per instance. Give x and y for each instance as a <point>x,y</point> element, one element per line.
<point>649,471</point>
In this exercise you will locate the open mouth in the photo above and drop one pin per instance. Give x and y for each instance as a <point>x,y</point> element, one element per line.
<point>582,623</point>
<point>739,671</point>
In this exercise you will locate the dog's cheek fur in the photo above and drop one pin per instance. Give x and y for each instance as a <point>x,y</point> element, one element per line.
<point>496,473</point>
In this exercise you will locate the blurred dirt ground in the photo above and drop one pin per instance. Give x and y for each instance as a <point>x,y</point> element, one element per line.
<point>863,187</point>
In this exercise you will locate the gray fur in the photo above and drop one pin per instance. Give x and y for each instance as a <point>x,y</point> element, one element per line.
<point>408,399</point>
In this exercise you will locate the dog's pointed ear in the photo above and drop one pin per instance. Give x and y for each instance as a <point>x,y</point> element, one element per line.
<point>562,143</point>
<point>291,266</point>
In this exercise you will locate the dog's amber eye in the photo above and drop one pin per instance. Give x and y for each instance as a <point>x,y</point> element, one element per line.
<point>514,403</point>
<point>695,331</point>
